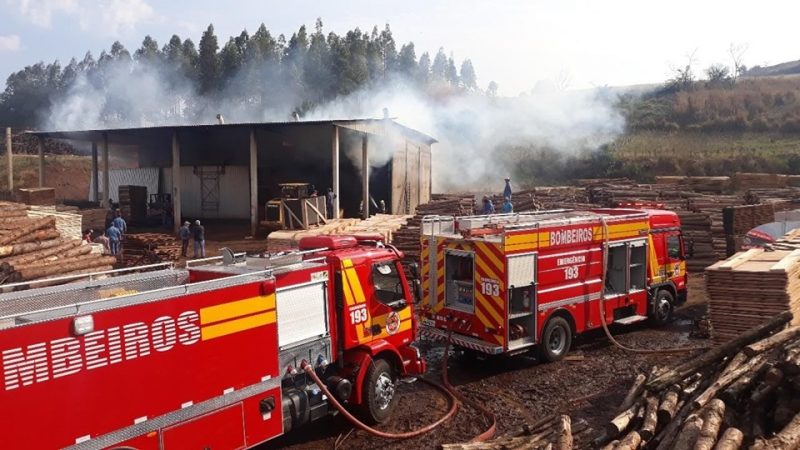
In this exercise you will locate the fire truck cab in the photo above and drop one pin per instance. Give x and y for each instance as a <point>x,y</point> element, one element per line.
<point>208,356</point>
<point>509,283</point>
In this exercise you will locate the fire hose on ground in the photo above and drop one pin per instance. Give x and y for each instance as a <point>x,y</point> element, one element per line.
<point>602,307</point>
<point>452,394</point>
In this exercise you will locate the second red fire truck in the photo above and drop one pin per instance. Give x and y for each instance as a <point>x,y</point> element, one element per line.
<point>507,283</point>
<point>211,356</point>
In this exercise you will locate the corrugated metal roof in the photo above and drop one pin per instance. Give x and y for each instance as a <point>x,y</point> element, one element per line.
<point>363,125</point>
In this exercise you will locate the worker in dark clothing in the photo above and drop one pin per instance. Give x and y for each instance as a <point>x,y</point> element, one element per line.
<point>184,234</point>
<point>329,198</point>
<point>507,189</point>
<point>199,234</point>
<point>488,206</point>
<point>114,235</point>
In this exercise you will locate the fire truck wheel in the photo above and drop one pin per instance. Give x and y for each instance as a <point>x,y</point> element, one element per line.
<point>379,392</point>
<point>556,339</point>
<point>661,312</point>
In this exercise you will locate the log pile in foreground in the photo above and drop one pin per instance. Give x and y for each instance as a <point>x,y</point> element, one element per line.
<point>32,248</point>
<point>751,287</point>
<point>553,433</point>
<point>743,394</point>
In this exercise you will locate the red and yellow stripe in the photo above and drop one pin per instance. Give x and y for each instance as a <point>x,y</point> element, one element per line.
<point>233,317</point>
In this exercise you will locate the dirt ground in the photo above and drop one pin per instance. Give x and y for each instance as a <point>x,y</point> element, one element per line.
<point>519,389</point>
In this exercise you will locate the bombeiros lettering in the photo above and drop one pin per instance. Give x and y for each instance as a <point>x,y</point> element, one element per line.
<point>43,361</point>
<point>573,236</point>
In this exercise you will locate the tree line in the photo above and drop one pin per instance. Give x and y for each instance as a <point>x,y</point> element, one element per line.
<point>252,71</point>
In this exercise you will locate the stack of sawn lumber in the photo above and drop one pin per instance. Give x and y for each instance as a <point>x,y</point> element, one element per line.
<point>744,394</point>
<point>749,288</point>
<point>738,220</point>
<point>33,249</point>
<point>150,248</point>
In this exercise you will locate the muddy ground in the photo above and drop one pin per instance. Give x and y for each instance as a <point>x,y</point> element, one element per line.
<point>589,385</point>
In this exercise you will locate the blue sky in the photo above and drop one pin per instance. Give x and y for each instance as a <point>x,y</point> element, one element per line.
<point>518,43</point>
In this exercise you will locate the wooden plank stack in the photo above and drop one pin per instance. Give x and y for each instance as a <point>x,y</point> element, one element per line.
<point>744,394</point>
<point>751,287</point>
<point>133,203</point>
<point>36,196</point>
<point>94,218</point>
<point>738,220</point>
<point>745,180</point>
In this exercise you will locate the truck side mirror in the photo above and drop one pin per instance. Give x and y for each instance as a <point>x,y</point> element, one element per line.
<point>414,269</point>
<point>416,285</point>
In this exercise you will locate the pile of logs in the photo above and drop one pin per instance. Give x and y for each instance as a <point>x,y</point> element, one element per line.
<point>407,237</point>
<point>33,249</point>
<point>150,248</point>
<point>555,433</point>
<point>751,287</point>
<point>555,197</point>
<point>743,394</point>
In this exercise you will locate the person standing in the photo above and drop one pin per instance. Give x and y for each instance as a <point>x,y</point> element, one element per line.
<point>120,223</point>
<point>488,206</point>
<point>507,207</point>
<point>185,234</point>
<point>199,234</point>
<point>329,198</point>
<point>507,189</point>
<point>114,235</point>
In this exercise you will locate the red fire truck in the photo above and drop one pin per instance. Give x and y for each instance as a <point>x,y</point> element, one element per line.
<point>503,284</point>
<point>209,356</point>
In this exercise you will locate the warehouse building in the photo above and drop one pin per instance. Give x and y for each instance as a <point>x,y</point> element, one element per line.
<point>230,171</point>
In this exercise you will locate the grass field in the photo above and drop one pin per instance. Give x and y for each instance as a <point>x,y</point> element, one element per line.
<point>645,154</point>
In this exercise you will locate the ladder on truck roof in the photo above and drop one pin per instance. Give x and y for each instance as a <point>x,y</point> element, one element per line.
<point>522,220</point>
<point>102,291</point>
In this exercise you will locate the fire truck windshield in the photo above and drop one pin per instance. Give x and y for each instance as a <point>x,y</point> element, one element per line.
<point>386,280</point>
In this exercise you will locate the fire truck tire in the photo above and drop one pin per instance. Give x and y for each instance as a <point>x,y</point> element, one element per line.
<point>663,304</point>
<point>556,339</point>
<point>379,388</point>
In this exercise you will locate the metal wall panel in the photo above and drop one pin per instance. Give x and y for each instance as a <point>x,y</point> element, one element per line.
<point>302,313</point>
<point>143,176</point>
<point>234,193</point>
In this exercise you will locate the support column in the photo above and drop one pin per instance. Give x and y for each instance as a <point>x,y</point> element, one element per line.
<point>9,160</point>
<point>335,170</point>
<point>253,183</point>
<point>95,175</point>
<point>176,182</point>
<point>41,161</point>
<point>106,176</point>
<point>365,177</point>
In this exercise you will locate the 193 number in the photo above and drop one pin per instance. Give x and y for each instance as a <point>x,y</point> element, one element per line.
<point>358,316</point>
<point>571,272</point>
<point>491,288</point>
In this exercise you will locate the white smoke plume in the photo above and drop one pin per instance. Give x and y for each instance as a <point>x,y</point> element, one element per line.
<point>481,138</point>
